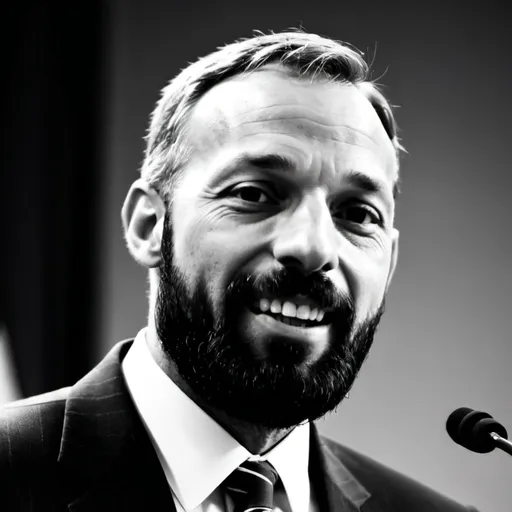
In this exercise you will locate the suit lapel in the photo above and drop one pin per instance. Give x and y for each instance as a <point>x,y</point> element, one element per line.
<point>107,459</point>
<point>336,489</point>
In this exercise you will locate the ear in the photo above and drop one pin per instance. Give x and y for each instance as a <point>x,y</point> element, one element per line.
<point>143,215</point>
<point>395,235</point>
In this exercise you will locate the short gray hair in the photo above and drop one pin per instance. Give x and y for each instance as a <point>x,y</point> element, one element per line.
<point>303,54</point>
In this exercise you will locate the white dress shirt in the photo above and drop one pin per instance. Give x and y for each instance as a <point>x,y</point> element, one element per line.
<point>196,453</point>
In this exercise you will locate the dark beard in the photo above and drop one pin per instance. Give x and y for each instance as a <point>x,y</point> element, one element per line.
<point>279,390</point>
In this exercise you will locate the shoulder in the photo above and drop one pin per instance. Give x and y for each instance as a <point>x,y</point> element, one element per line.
<point>389,487</point>
<point>30,430</point>
<point>30,436</point>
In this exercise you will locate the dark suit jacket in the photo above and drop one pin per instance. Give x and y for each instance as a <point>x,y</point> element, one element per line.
<point>84,448</point>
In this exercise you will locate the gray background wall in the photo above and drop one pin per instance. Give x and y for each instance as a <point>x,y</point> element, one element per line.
<point>444,341</point>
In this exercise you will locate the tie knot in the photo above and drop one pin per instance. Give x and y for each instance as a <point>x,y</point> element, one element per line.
<point>252,486</point>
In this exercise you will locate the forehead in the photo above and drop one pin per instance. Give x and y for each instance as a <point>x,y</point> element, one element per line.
<point>270,107</point>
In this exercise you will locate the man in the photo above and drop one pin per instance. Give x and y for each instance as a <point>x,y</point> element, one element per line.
<point>265,215</point>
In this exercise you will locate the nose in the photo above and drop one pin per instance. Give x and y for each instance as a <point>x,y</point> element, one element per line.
<point>306,237</point>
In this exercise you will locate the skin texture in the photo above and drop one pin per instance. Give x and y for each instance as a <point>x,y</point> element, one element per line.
<point>315,215</point>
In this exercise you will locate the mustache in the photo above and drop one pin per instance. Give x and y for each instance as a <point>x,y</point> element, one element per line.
<point>288,282</point>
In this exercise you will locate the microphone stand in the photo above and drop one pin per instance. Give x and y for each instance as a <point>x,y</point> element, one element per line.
<point>501,443</point>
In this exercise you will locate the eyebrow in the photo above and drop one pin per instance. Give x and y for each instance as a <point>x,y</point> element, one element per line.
<point>364,182</point>
<point>270,161</point>
<point>263,162</point>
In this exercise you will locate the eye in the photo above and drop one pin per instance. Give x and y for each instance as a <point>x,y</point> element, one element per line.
<point>359,214</point>
<point>252,194</point>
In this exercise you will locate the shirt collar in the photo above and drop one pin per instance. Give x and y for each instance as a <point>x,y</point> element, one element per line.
<point>196,453</point>
<point>290,458</point>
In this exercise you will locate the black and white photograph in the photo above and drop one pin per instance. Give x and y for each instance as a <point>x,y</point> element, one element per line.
<point>255,256</point>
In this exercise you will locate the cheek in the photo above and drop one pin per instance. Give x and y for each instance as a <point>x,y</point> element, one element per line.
<point>374,287</point>
<point>367,273</point>
<point>212,256</point>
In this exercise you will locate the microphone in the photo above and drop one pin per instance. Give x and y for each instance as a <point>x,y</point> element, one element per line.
<point>477,431</point>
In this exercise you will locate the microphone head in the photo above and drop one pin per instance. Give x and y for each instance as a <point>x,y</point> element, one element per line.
<point>471,429</point>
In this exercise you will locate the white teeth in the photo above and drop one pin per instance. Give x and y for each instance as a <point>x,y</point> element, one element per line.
<point>264,305</point>
<point>303,312</point>
<point>289,309</point>
<point>275,307</point>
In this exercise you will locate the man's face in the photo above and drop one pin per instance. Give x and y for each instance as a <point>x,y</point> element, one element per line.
<point>279,247</point>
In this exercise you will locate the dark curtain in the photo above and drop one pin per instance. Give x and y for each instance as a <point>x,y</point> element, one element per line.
<point>52,117</point>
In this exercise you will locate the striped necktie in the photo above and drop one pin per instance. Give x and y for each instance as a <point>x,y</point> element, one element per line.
<point>252,486</point>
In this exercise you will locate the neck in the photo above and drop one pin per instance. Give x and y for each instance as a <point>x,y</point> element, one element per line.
<point>255,438</point>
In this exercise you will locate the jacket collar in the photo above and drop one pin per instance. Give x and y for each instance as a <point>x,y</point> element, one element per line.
<point>108,461</point>
<point>335,487</point>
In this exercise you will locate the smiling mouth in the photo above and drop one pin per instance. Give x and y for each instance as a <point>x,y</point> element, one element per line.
<point>297,322</point>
